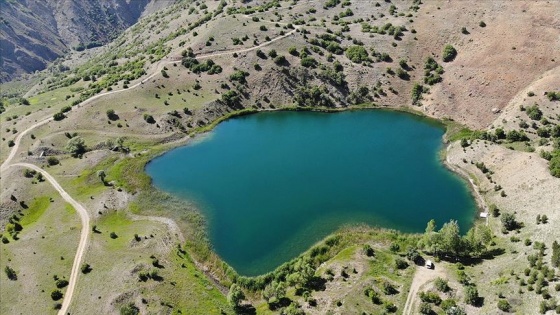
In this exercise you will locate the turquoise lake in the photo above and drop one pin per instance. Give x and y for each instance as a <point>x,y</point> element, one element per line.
<point>272,184</point>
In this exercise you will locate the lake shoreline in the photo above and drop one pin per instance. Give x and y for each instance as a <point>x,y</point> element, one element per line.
<point>203,130</point>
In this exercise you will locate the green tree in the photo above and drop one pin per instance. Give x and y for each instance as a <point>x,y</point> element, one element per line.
<point>302,273</point>
<point>451,242</point>
<point>76,146</point>
<point>274,292</point>
<point>235,295</point>
<point>509,222</point>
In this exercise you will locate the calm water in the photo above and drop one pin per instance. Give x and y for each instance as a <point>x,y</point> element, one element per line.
<point>272,184</point>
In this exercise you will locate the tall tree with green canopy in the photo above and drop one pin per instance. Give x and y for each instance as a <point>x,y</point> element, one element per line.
<point>451,238</point>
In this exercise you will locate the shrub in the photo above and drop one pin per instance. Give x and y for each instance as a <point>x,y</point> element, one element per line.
<point>504,305</point>
<point>442,285</point>
<point>113,235</point>
<point>448,304</point>
<point>61,283</point>
<point>52,161</point>
<point>149,118</point>
<point>430,297</point>
<point>425,308</point>
<point>509,222</point>
<point>86,268</point>
<point>129,309</point>
<point>357,54</point>
<point>400,263</point>
<point>368,250</point>
<point>482,24</point>
<point>471,295</point>
<point>239,76</point>
<point>280,60</point>
<point>449,53</point>
<point>534,112</point>
<point>58,116</point>
<point>10,273</point>
<point>416,93</point>
<point>388,288</point>
<point>553,96</point>
<point>56,295</point>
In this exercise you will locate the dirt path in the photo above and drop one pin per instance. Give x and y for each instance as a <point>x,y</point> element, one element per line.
<point>84,217</point>
<point>422,276</point>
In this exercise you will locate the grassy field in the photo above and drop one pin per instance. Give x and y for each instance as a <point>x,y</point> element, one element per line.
<point>44,250</point>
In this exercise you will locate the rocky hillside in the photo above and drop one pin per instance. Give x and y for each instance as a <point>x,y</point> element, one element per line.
<point>32,33</point>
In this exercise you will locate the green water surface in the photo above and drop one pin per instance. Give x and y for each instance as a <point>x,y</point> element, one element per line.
<point>272,184</point>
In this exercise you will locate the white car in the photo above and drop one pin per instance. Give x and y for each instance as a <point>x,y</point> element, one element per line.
<point>429,264</point>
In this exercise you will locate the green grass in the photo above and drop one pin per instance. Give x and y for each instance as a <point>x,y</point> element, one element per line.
<point>36,210</point>
<point>456,131</point>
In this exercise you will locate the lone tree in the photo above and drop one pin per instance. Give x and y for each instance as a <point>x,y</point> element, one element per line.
<point>235,295</point>
<point>76,146</point>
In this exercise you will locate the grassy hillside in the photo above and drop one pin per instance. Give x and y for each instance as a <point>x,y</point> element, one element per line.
<point>488,69</point>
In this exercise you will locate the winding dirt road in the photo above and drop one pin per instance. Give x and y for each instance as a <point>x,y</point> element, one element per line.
<point>84,217</point>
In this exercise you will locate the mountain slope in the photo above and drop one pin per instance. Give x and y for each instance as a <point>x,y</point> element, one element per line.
<point>32,33</point>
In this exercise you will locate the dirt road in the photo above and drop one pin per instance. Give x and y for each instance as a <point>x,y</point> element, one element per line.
<point>84,217</point>
<point>422,276</point>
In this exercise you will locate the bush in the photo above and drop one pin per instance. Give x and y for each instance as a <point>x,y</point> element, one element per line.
<point>357,54</point>
<point>442,285</point>
<point>113,235</point>
<point>509,222</point>
<point>449,53</point>
<point>482,24</point>
<point>534,112</point>
<point>52,161</point>
<point>309,62</point>
<point>10,273</point>
<point>400,263</point>
<point>425,308</point>
<point>61,283</point>
<point>149,119</point>
<point>56,295</point>
<point>111,114</point>
<point>368,250</point>
<point>129,309</point>
<point>504,305</point>
<point>58,116</point>
<point>86,268</point>
<point>280,60</point>
<point>430,297</point>
<point>471,295</point>
<point>448,304</point>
